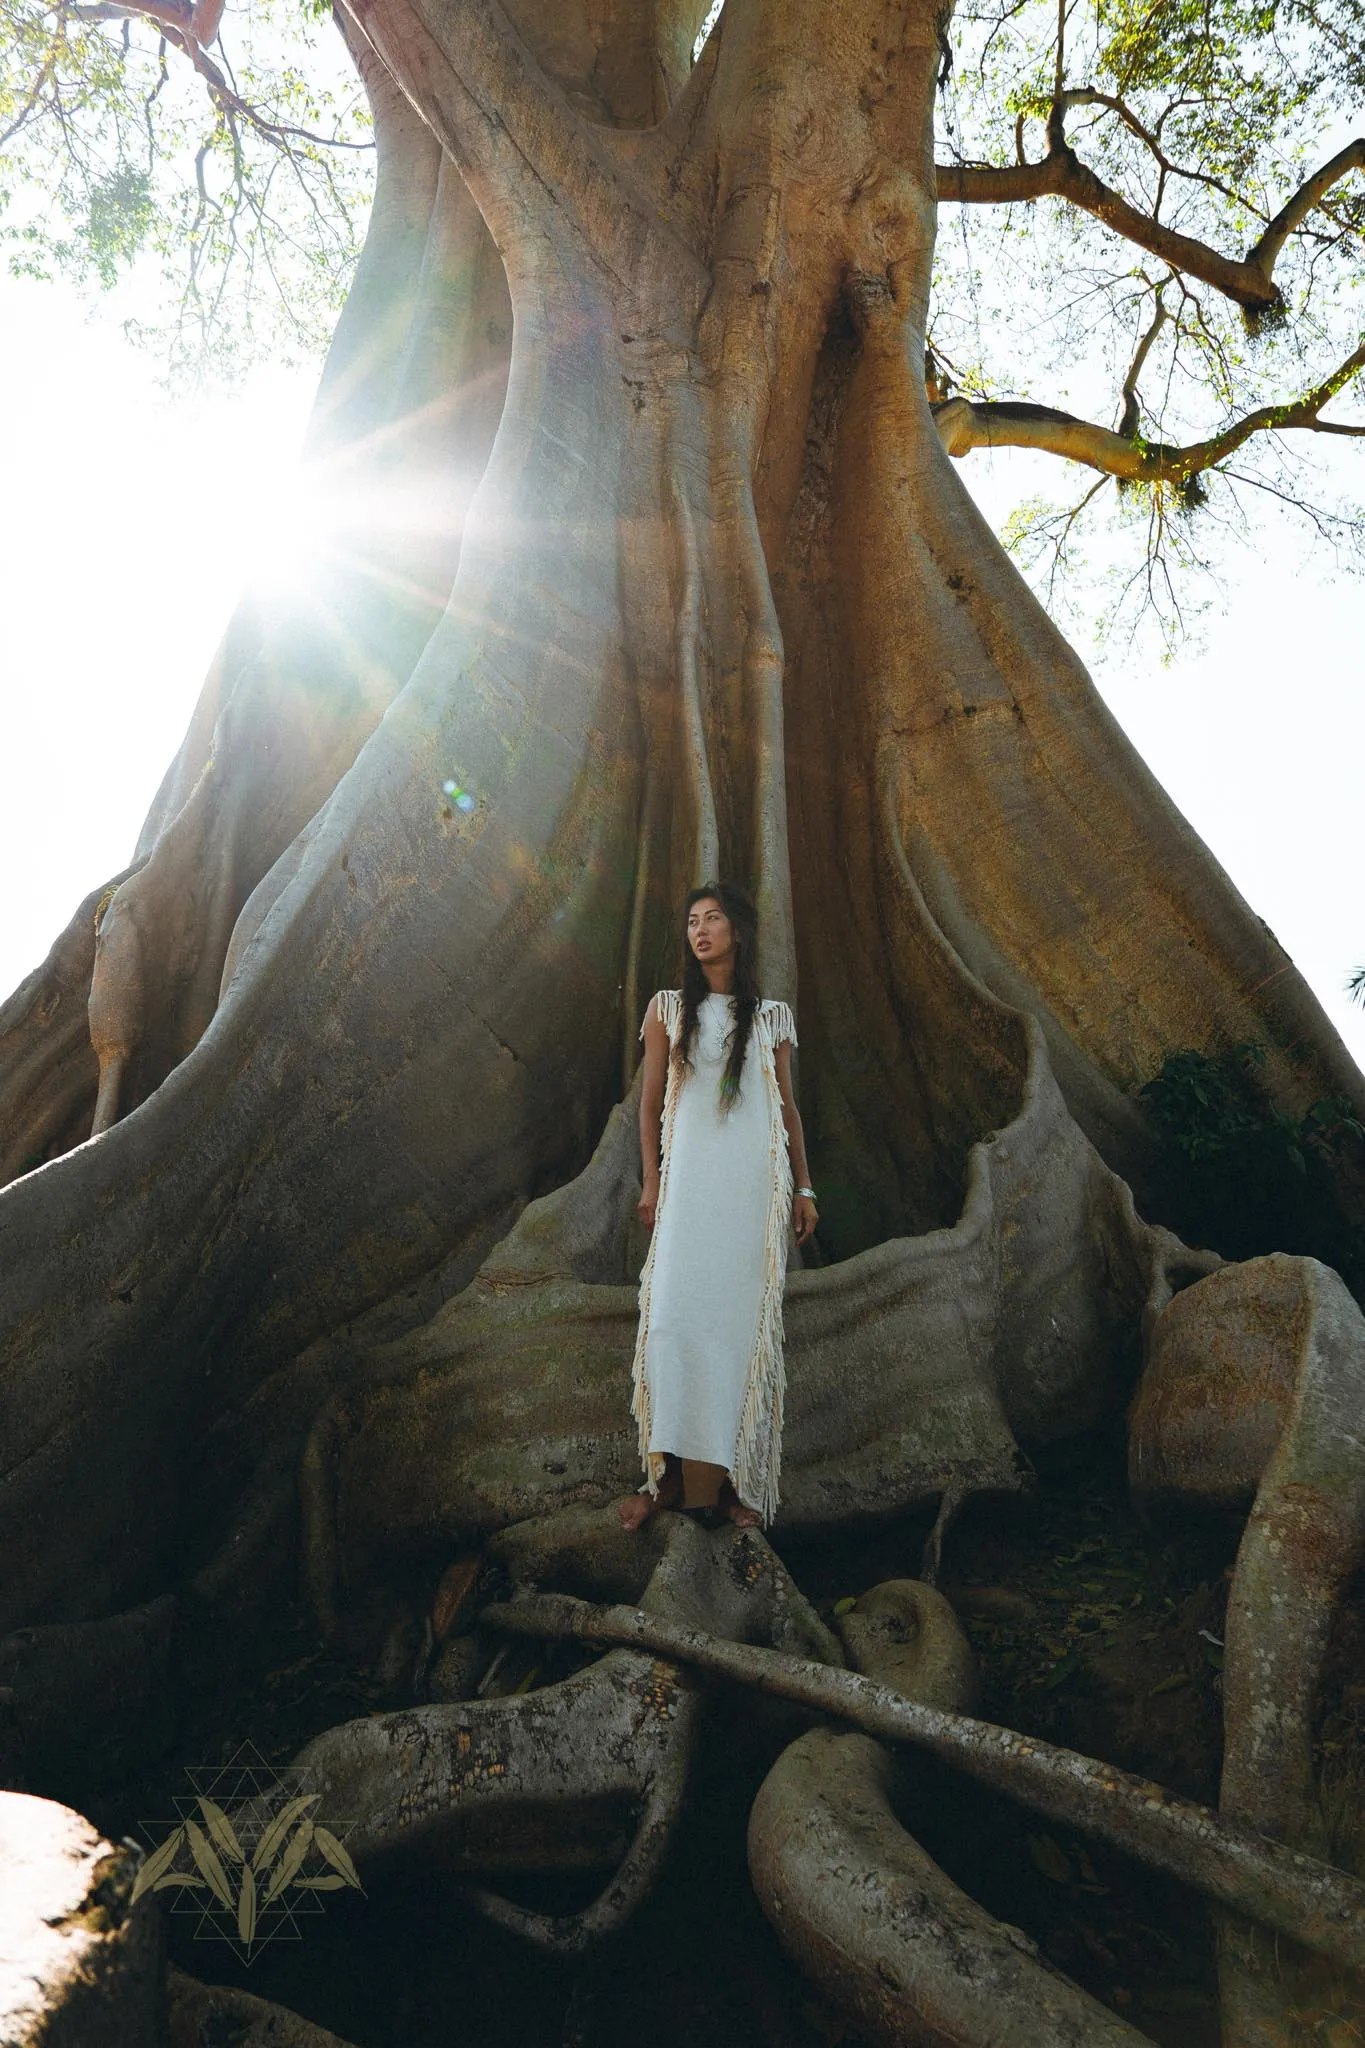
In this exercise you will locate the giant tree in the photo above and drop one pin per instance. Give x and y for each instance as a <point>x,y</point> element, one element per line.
<point>656,564</point>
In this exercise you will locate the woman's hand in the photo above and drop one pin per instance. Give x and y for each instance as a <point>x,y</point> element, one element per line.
<point>649,1200</point>
<point>805,1216</point>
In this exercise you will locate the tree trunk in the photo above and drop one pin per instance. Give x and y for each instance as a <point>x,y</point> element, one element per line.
<point>405,415</point>
<point>720,602</point>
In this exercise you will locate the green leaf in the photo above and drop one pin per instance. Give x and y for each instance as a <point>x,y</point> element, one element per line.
<point>1060,1672</point>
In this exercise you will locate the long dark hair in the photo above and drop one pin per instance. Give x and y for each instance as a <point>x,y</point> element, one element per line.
<point>738,906</point>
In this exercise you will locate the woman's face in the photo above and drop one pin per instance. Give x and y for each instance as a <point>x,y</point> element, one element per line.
<point>710,933</point>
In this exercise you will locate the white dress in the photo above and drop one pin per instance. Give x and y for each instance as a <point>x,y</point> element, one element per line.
<point>708,1374</point>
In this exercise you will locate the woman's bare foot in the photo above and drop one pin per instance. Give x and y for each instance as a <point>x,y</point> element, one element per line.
<point>638,1508</point>
<point>742,1516</point>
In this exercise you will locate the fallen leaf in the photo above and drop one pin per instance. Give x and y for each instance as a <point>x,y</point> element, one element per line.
<point>454,1594</point>
<point>1049,1857</point>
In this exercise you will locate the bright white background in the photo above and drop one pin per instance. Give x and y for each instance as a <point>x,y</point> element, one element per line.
<point>127,525</point>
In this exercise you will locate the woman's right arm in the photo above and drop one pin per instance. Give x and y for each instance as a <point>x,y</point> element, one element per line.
<point>651,1111</point>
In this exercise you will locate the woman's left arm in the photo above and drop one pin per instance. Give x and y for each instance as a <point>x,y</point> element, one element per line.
<point>804,1213</point>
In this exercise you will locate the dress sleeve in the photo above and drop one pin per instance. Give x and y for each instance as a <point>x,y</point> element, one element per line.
<point>666,1002</point>
<point>781,1023</point>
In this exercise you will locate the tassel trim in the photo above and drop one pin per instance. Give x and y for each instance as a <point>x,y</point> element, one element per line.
<point>757,1458</point>
<point>669,1004</point>
<point>758,1445</point>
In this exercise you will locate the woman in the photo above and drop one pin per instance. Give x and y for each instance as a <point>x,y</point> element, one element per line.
<point>717,1099</point>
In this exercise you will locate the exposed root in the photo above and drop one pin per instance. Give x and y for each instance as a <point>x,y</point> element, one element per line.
<point>585,1774</point>
<point>866,1912</point>
<point>860,1905</point>
<point>907,1636</point>
<point>1292,1894</point>
<point>1256,1382</point>
<point>202,2013</point>
<point>630,1883</point>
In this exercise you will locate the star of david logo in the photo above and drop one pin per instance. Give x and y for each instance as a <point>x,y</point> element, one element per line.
<point>249,1859</point>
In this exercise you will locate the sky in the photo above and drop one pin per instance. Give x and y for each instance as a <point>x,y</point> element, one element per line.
<point>128,524</point>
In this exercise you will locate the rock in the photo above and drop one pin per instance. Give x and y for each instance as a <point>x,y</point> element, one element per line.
<point>80,1963</point>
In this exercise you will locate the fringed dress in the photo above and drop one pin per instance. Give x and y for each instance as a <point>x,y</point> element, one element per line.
<point>708,1376</point>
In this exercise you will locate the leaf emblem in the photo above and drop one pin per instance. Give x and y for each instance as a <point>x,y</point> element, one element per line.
<point>323,1884</point>
<point>338,1857</point>
<point>246,1906</point>
<point>201,1848</point>
<point>289,1863</point>
<point>280,1826</point>
<point>157,1863</point>
<point>220,1827</point>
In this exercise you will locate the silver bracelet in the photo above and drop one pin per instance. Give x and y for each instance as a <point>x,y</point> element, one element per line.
<point>806,1191</point>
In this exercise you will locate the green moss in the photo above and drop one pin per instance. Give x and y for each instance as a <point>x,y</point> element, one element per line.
<point>1245,1177</point>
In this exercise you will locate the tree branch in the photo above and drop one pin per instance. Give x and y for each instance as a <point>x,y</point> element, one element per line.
<point>176,20</point>
<point>1266,251</point>
<point>964,424</point>
<point>1131,415</point>
<point>34,95</point>
<point>1056,119</point>
<point>1087,96</point>
<point>205,19</point>
<point>171,14</point>
<point>1062,175</point>
<point>1248,281</point>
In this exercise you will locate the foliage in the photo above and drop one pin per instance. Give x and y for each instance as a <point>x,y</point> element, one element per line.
<point>1259,1180</point>
<point>233,206</point>
<point>233,181</point>
<point>1206,117</point>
